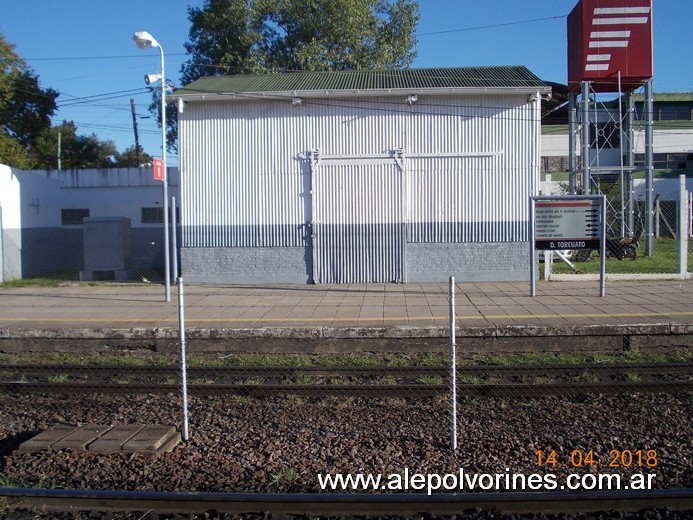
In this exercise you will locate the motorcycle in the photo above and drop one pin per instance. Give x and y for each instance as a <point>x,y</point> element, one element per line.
<point>622,248</point>
<point>619,248</point>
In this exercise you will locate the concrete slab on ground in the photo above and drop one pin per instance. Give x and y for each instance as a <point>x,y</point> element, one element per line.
<point>151,439</point>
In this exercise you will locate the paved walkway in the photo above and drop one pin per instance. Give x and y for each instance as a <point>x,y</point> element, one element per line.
<point>370,306</point>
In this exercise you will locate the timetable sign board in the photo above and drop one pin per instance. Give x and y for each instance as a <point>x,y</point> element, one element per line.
<point>567,224</point>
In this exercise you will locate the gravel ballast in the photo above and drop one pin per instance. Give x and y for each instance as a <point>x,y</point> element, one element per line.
<point>283,445</point>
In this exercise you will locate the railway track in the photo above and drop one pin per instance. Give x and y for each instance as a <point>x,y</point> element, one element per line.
<point>403,504</point>
<point>357,381</point>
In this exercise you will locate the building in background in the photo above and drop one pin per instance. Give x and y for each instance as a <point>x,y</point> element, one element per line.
<point>44,214</point>
<point>673,133</point>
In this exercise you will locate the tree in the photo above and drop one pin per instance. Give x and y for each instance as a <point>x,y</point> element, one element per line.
<point>25,108</point>
<point>248,36</point>
<point>321,35</point>
<point>76,151</point>
<point>130,158</point>
<point>14,154</point>
<point>259,36</point>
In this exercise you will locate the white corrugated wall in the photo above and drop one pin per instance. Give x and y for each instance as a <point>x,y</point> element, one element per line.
<point>469,165</point>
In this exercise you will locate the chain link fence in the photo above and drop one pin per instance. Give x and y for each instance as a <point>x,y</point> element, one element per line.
<point>274,421</point>
<point>627,248</point>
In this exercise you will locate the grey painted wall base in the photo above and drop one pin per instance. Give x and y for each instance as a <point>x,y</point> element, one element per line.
<point>246,265</point>
<point>468,262</point>
<point>425,262</point>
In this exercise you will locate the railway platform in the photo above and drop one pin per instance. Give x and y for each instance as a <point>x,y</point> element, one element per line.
<point>291,317</point>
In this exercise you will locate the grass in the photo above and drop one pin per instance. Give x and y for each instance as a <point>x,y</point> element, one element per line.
<point>7,481</point>
<point>283,476</point>
<point>32,282</point>
<point>59,358</point>
<point>557,358</point>
<point>532,358</point>
<point>430,380</point>
<point>633,377</point>
<point>663,261</point>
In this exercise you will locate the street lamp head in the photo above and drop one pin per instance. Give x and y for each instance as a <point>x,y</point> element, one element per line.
<point>144,40</point>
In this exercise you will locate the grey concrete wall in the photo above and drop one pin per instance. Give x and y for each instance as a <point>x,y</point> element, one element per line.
<point>426,262</point>
<point>476,262</point>
<point>247,265</point>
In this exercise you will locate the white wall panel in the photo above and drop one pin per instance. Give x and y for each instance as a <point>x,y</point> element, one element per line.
<point>246,173</point>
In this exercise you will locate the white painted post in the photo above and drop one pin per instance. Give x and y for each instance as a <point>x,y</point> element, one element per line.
<point>682,239</point>
<point>453,367</point>
<point>174,239</point>
<point>183,369</point>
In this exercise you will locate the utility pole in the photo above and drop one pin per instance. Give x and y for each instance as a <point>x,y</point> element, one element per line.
<point>60,152</point>
<point>134,126</point>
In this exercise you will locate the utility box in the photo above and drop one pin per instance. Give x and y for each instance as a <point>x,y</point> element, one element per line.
<point>107,249</point>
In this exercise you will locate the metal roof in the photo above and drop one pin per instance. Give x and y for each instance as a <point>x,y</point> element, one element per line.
<point>666,97</point>
<point>365,82</point>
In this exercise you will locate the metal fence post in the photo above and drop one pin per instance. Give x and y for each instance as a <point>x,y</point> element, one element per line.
<point>174,239</point>
<point>682,238</point>
<point>183,370</point>
<point>453,367</point>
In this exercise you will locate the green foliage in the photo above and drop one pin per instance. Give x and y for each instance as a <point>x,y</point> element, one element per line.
<point>131,158</point>
<point>14,154</point>
<point>76,151</point>
<point>283,477</point>
<point>25,108</point>
<point>27,139</point>
<point>240,36</point>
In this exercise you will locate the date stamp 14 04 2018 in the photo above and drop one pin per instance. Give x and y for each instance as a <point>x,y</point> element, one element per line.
<point>615,459</point>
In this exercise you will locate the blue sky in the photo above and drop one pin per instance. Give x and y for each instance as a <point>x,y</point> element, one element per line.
<point>84,49</point>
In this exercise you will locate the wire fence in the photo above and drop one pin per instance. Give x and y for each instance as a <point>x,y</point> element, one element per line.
<point>627,249</point>
<point>288,417</point>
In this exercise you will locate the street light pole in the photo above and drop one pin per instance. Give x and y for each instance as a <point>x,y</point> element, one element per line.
<point>144,40</point>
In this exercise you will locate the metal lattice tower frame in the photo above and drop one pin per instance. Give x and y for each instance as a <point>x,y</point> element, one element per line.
<point>606,163</point>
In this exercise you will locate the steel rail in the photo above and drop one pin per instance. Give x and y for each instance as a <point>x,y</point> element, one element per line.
<point>357,390</point>
<point>504,380</point>
<point>351,504</point>
<point>356,371</point>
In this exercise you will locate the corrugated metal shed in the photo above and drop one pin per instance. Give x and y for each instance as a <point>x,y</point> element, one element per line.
<point>401,79</point>
<point>357,185</point>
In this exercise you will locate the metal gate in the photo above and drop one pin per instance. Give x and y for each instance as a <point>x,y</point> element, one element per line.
<point>358,220</point>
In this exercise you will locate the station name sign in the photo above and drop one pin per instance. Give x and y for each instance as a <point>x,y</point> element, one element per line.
<point>567,224</point>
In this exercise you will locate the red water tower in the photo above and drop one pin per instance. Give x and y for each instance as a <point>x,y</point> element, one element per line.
<point>606,37</point>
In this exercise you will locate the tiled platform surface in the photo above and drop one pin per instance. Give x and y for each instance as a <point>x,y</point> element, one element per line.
<point>150,439</point>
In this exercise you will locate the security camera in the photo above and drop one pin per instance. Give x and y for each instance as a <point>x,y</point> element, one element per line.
<point>151,78</point>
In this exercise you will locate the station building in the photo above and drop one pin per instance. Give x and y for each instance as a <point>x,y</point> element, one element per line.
<point>359,176</point>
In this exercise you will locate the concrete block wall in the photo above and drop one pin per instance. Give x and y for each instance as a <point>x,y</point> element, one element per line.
<point>246,265</point>
<point>426,262</point>
<point>473,262</point>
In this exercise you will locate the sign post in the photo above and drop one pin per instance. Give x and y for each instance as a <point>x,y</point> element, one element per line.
<point>567,222</point>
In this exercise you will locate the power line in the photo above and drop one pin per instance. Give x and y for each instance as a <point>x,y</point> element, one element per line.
<point>124,56</point>
<point>493,26</point>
